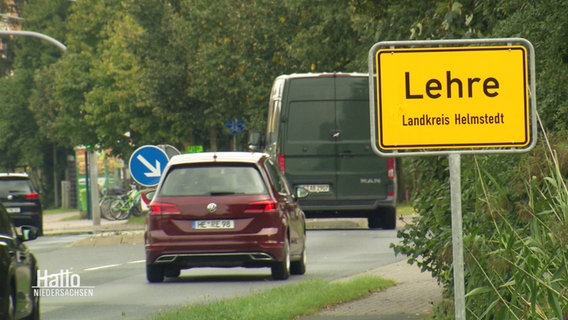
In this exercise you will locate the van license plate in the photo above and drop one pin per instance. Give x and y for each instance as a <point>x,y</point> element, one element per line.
<point>316,188</point>
<point>213,224</point>
<point>13,210</point>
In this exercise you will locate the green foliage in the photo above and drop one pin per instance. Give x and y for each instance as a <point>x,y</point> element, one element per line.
<point>545,24</point>
<point>513,206</point>
<point>286,302</point>
<point>515,216</point>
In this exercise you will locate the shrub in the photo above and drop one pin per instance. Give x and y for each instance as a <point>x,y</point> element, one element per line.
<point>515,221</point>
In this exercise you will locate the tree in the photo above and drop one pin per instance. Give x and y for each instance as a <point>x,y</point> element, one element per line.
<point>24,147</point>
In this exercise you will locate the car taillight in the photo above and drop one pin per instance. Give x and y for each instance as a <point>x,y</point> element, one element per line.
<point>390,168</point>
<point>282,162</point>
<point>32,196</point>
<point>163,208</point>
<point>261,206</point>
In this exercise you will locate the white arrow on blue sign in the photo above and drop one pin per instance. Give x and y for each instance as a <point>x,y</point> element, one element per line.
<point>146,165</point>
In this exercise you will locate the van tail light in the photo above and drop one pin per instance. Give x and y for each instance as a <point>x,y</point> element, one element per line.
<point>391,192</point>
<point>390,168</point>
<point>261,206</point>
<point>282,162</point>
<point>161,208</point>
<point>32,196</point>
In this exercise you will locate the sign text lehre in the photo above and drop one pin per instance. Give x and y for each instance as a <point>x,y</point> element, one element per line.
<point>452,98</point>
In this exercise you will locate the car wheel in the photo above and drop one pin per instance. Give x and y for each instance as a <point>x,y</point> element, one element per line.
<point>35,311</point>
<point>388,218</point>
<point>35,300</point>
<point>374,220</point>
<point>281,271</point>
<point>11,308</point>
<point>40,227</point>
<point>172,272</point>
<point>154,273</point>
<point>299,267</point>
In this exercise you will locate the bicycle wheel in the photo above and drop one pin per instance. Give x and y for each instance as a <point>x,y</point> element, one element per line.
<point>104,207</point>
<point>118,211</point>
<point>135,210</point>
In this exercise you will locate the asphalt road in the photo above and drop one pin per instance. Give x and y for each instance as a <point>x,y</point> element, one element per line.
<point>115,274</point>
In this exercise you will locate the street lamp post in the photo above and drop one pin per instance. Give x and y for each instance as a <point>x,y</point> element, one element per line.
<point>33,34</point>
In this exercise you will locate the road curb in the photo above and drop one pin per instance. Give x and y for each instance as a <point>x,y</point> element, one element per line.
<point>112,238</point>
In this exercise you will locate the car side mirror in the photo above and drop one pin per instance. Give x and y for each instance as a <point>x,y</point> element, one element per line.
<point>254,141</point>
<point>301,192</point>
<point>28,233</point>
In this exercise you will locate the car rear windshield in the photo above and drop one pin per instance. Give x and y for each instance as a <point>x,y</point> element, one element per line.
<point>14,185</point>
<point>199,180</point>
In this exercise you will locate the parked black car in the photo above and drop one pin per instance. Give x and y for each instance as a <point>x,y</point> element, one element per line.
<point>21,199</point>
<point>18,271</point>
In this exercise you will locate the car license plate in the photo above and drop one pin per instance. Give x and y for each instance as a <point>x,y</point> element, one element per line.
<point>213,224</point>
<point>13,210</point>
<point>316,188</point>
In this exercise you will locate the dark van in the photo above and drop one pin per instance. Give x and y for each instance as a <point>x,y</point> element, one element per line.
<point>319,133</point>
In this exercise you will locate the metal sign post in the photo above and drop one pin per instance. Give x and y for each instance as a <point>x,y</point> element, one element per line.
<point>94,187</point>
<point>457,235</point>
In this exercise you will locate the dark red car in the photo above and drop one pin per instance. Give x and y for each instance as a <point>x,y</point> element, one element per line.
<point>224,209</point>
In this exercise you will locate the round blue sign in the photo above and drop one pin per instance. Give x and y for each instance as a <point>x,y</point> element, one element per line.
<point>147,164</point>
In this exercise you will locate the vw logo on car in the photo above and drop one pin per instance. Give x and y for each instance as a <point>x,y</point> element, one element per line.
<point>212,207</point>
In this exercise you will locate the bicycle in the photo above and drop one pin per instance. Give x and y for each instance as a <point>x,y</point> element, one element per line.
<point>107,197</point>
<point>127,204</point>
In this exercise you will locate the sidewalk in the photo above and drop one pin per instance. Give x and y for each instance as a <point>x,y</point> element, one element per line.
<point>411,298</point>
<point>69,223</point>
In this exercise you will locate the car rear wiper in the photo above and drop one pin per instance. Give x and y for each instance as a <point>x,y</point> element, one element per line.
<point>222,193</point>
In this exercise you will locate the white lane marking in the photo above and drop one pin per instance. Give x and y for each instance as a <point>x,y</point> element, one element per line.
<point>136,261</point>
<point>102,267</point>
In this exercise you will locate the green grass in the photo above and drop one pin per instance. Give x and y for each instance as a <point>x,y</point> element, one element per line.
<point>404,209</point>
<point>59,210</point>
<point>136,220</point>
<point>283,303</point>
<point>71,218</point>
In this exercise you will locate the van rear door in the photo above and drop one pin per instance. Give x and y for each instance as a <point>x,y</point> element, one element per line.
<point>361,174</point>
<point>310,152</point>
<point>327,144</point>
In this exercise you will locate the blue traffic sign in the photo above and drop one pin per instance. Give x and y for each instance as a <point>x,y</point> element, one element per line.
<point>235,125</point>
<point>147,164</point>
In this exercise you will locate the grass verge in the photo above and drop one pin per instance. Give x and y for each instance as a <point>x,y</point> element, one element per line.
<point>59,210</point>
<point>285,302</point>
<point>405,209</point>
<point>136,220</point>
